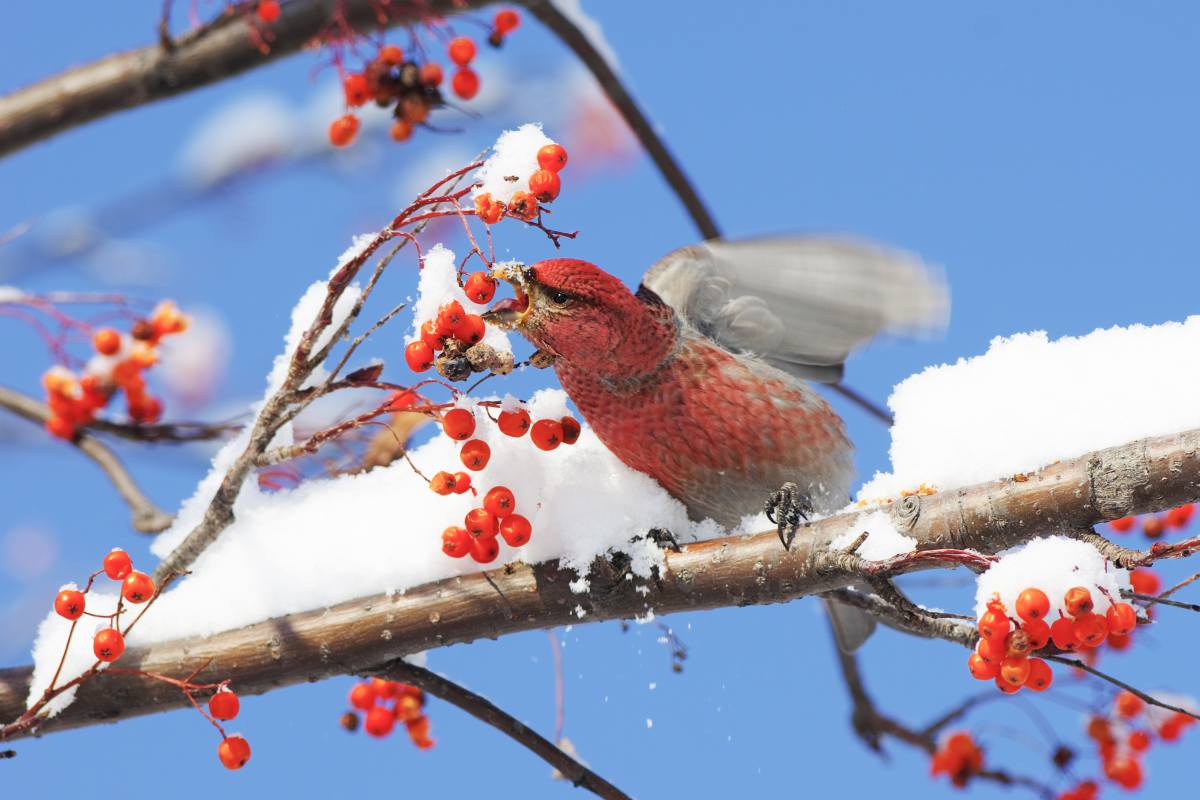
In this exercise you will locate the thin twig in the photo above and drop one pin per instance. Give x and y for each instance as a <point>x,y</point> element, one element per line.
<point>1178,586</point>
<point>1148,698</point>
<point>487,711</point>
<point>1151,599</point>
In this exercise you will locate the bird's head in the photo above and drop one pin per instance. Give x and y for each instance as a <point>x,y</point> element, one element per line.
<point>573,310</point>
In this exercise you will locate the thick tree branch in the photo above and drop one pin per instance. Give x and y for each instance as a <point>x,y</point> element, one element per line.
<point>486,711</point>
<point>220,49</point>
<point>147,517</point>
<point>355,636</point>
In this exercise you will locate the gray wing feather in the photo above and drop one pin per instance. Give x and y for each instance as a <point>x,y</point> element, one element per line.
<point>801,303</point>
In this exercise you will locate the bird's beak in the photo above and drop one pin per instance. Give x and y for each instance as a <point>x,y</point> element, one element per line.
<point>511,313</point>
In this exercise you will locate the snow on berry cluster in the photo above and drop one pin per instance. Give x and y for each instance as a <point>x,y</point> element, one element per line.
<point>1154,526</point>
<point>118,366</point>
<point>411,87</point>
<point>522,172</point>
<point>383,703</point>
<point>1062,592</point>
<point>959,757</point>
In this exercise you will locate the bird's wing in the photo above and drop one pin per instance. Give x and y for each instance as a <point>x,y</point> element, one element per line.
<point>801,303</point>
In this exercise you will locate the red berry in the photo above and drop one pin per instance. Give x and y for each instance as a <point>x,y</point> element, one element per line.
<point>475,454</point>
<point>499,501</point>
<point>488,209</point>
<point>1153,527</point>
<point>506,21</point>
<point>481,522</point>
<point>571,430</point>
<point>546,434</point>
<point>989,652</point>
<point>1038,633</point>
<point>523,206</point>
<point>1078,600</point>
<point>1062,633</point>
<point>442,483</point>
<point>408,708</point>
<point>465,83</point>
<point>471,329</point>
<point>61,428</point>
<point>343,130</point>
<point>456,542</point>
<point>514,423</point>
<point>461,51</point>
<point>516,530</point>
<point>982,670</point>
<point>391,55</point>
<point>484,549</point>
<point>458,423</point>
<point>1170,730</point>
<point>1139,741</point>
<point>1040,675</point>
<point>117,565</point>
<point>356,89</point>
<point>994,626</point>
<point>431,74</point>
<point>449,317</point>
<point>419,355</point>
<point>268,10</point>
<point>1007,687</point>
<point>1125,771</point>
<point>462,482</point>
<point>1181,516</point>
<point>106,341</point>
<point>379,722</point>
<point>1091,629</point>
<point>480,287</point>
<point>1033,604</point>
<point>234,752</point>
<point>401,130</point>
<point>1145,581</point>
<point>1122,525</point>
<point>1122,619</point>
<point>362,696</point>
<point>70,604</point>
<point>544,185</point>
<point>1014,670</point>
<point>552,157</point>
<point>1129,705</point>
<point>138,587</point>
<point>108,645</point>
<point>224,705</point>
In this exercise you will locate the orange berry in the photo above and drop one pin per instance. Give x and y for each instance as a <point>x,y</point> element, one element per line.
<point>268,10</point>
<point>391,55</point>
<point>379,722</point>
<point>356,89</point>
<point>1091,629</point>
<point>1040,675</point>
<point>1122,525</point>
<point>480,287</point>
<point>1129,705</point>
<point>461,50</point>
<point>414,109</point>
<point>1078,600</point>
<point>1122,619</point>
<point>1033,604</point>
<point>442,483</point>
<point>1005,686</point>
<point>431,336</point>
<point>465,83</point>
<point>401,130</point>
<point>1145,581</point>
<point>234,752</point>
<point>484,549</point>
<point>343,130</point>
<point>462,483</point>
<point>982,670</point>
<point>1124,771</point>
<point>552,157</point>
<point>449,317</point>
<point>1017,643</point>
<point>419,356</point>
<point>408,708</point>
<point>506,21</point>
<point>571,430</point>
<point>138,587</point>
<point>431,74</point>
<point>523,206</point>
<point>991,653</point>
<point>1014,670</point>
<point>516,530</point>
<point>362,696</point>
<point>513,423</point>
<point>456,542</point>
<point>471,329</point>
<point>546,434</point>
<point>1153,527</point>
<point>108,645</point>
<point>544,185</point>
<point>499,501</point>
<point>487,209</point>
<point>480,522</point>
<point>1118,642</point>
<point>60,427</point>
<point>458,423</point>
<point>106,341</point>
<point>117,564</point>
<point>224,705</point>
<point>1099,730</point>
<point>1038,633</point>
<point>69,603</point>
<point>994,626</point>
<point>475,454</point>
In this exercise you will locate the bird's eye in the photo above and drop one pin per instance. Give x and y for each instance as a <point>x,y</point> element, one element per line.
<point>560,299</point>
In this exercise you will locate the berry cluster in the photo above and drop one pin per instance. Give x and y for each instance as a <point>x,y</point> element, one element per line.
<point>118,365</point>
<point>959,758</point>
<point>412,89</point>
<point>136,587</point>
<point>1005,644</point>
<point>407,702</point>
<point>1154,526</point>
<point>1122,738</point>
<point>544,186</point>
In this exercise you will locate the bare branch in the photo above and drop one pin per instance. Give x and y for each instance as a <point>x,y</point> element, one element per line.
<point>486,711</point>
<point>1149,699</point>
<point>147,517</point>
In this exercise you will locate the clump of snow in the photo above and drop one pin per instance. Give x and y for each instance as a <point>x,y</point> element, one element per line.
<point>239,136</point>
<point>11,294</point>
<point>438,286</point>
<point>883,540</point>
<point>1053,564</point>
<point>193,363</point>
<point>1030,401</point>
<point>514,156</point>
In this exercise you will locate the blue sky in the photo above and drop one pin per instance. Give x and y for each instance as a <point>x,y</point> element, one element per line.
<point>1043,154</point>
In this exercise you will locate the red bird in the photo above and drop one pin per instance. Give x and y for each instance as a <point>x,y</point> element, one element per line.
<point>699,378</point>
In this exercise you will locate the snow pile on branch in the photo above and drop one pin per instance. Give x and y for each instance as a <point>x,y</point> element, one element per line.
<point>244,134</point>
<point>1054,565</point>
<point>1030,401</point>
<point>883,540</point>
<point>514,155</point>
<point>438,286</point>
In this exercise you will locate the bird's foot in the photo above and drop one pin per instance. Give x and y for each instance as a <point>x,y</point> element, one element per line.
<point>787,507</point>
<point>663,538</point>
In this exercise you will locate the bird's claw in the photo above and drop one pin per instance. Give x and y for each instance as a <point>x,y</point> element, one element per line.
<point>787,507</point>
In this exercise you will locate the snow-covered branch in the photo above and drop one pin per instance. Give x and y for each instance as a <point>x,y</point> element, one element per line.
<point>951,529</point>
